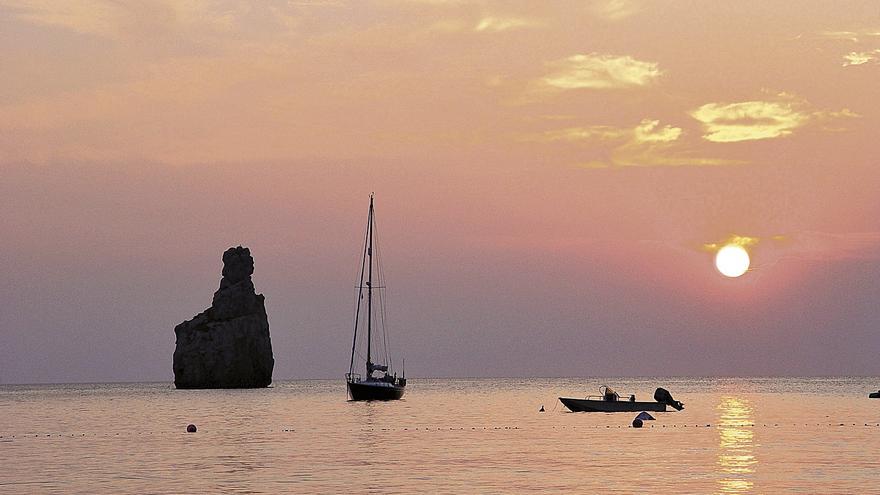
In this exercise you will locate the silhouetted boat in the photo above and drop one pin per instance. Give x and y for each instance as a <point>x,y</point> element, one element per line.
<point>609,401</point>
<point>386,386</point>
<point>874,395</point>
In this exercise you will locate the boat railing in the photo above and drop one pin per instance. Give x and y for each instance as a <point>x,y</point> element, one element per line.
<point>594,397</point>
<point>618,398</point>
<point>352,377</point>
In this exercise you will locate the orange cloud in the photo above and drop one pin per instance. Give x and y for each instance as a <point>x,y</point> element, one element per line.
<point>749,120</point>
<point>498,24</point>
<point>645,145</point>
<point>736,240</point>
<point>600,132</point>
<point>598,71</point>
<point>860,58</point>
<point>614,10</point>
<point>96,17</point>
<point>760,119</point>
<point>853,36</point>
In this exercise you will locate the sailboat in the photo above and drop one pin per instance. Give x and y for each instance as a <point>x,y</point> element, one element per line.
<point>380,381</point>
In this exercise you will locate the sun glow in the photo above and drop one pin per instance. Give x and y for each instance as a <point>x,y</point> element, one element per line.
<point>732,260</point>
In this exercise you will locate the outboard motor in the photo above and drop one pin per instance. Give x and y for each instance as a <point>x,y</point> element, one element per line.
<point>663,395</point>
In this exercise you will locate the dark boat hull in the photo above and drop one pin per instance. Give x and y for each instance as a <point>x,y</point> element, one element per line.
<point>589,405</point>
<point>368,391</point>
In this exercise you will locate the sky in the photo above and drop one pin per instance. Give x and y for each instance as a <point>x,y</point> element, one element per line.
<point>552,181</point>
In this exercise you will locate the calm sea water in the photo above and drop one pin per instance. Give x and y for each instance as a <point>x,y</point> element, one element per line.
<point>769,435</point>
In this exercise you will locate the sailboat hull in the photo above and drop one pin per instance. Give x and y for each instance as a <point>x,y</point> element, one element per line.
<point>374,391</point>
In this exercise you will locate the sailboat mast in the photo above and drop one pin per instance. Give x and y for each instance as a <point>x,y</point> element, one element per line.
<point>360,298</point>
<point>370,287</point>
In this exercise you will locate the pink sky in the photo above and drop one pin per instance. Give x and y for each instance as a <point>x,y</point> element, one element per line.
<point>551,178</point>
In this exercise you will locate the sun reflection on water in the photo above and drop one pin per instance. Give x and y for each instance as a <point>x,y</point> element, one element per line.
<point>736,461</point>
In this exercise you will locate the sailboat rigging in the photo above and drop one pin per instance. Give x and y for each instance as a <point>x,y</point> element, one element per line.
<point>387,385</point>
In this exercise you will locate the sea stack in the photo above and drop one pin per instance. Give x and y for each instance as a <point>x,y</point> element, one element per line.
<point>227,345</point>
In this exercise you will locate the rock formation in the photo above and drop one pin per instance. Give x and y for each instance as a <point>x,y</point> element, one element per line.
<point>227,345</point>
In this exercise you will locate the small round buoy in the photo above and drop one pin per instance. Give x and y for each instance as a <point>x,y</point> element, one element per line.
<point>542,408</point>
<point>637,423</point>
<point>191,429</point>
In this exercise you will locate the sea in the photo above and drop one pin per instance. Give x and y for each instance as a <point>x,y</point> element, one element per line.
<point>457,436</point>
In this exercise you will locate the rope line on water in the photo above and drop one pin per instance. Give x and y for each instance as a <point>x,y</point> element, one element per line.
<point>22,436</point>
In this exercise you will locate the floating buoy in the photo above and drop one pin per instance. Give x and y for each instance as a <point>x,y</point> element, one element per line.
<point>191,429</point>
<point>637,423</point>
<point>542,408</point>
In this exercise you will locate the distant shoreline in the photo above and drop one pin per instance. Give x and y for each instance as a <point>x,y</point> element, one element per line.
<point>170,382</point>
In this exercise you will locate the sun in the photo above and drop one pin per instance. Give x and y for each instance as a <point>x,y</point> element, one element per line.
<point>732,260</point>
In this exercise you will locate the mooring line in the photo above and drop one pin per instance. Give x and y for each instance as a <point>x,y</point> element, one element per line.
<point>30,436</point>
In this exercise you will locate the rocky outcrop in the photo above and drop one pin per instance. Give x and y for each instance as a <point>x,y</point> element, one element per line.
<point>228,345</point>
